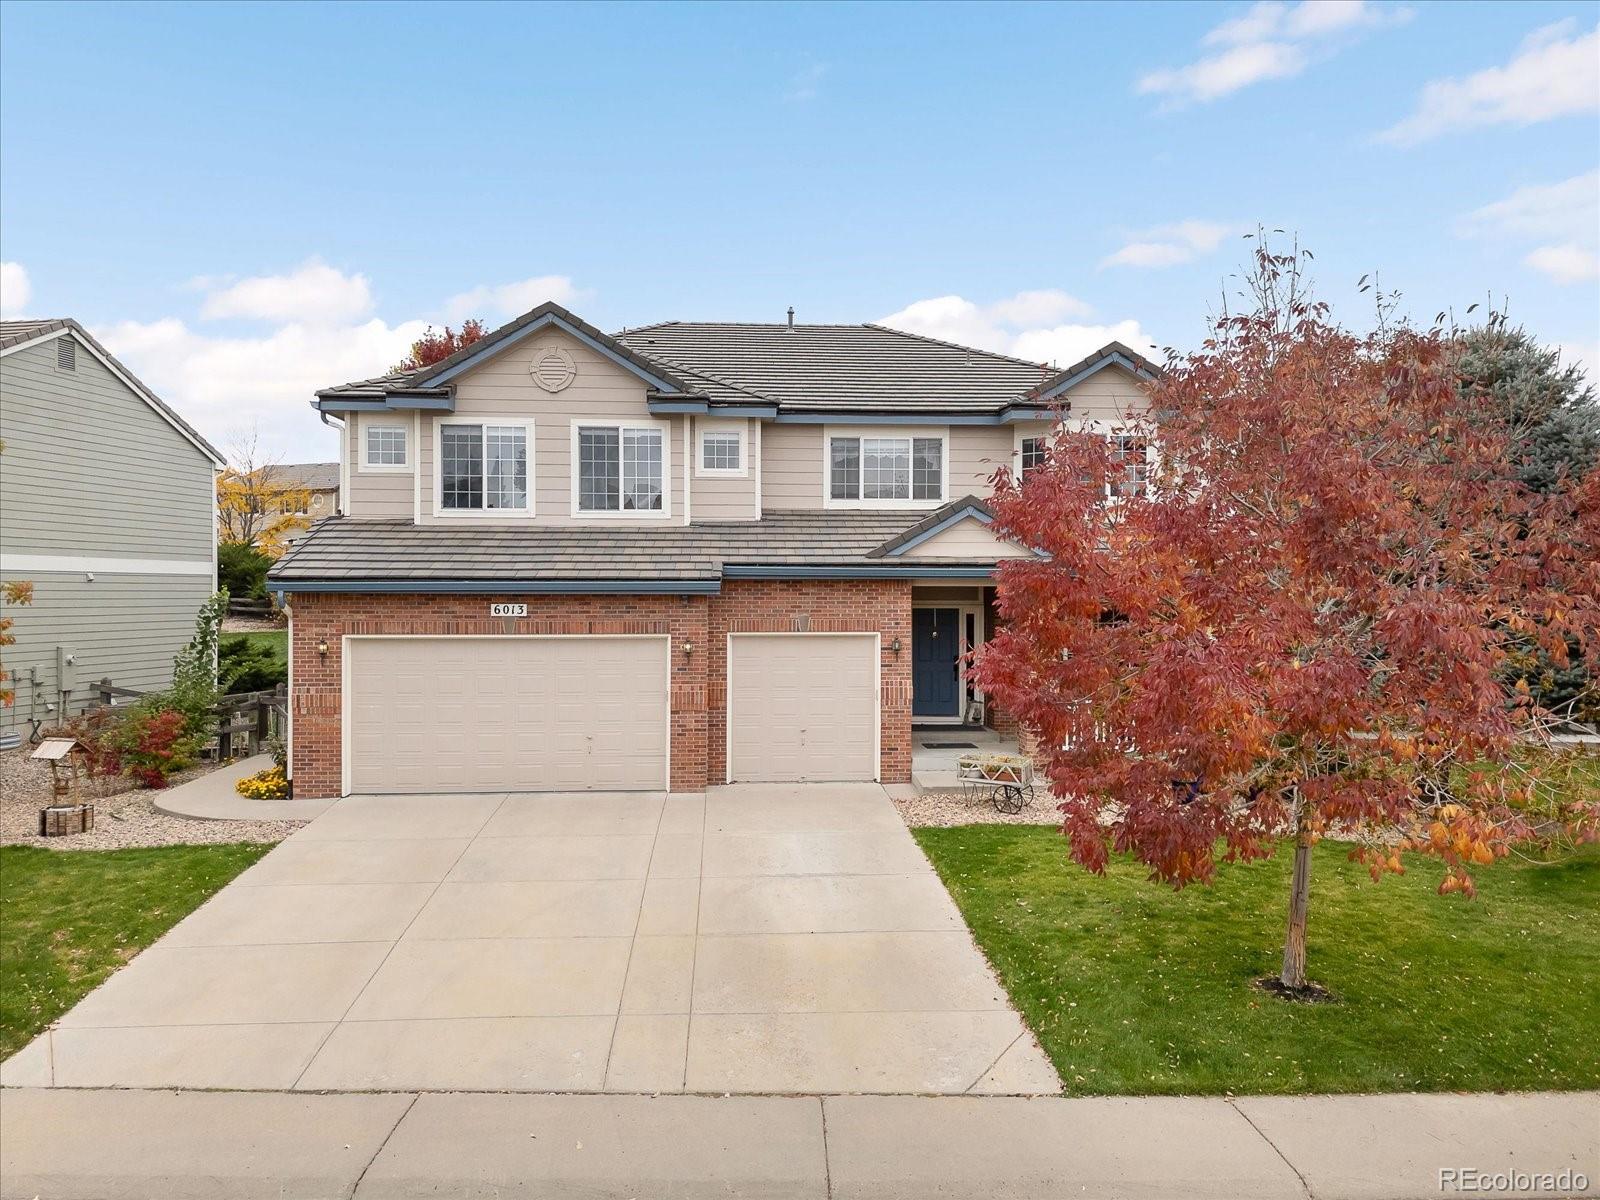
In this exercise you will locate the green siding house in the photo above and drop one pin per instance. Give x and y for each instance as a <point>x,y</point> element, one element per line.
<point>108,506</point>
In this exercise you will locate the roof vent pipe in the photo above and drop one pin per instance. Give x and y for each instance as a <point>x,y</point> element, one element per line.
<point>791,316</point>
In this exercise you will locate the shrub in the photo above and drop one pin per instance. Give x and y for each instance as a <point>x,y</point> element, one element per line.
<point>153,743</point>
<point>242,570</point>
<point>95,730</point>
<point>194,671</point>
<point>244,665</point>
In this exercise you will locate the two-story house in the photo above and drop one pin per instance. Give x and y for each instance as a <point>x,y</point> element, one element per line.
<point>680,555</point>
<point>108,507</point>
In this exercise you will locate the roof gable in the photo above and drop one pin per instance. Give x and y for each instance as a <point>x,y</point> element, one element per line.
<point>547,315</point>
<point>1112,354</point>
<point>18,335</point>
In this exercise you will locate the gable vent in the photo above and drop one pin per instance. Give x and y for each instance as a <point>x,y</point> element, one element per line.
<point>66,354</point>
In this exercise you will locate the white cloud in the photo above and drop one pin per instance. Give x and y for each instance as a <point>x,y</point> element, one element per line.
<point>312,292</point>
<point>512,299</point>
<point>805,83</point>
<point>228,385</point>
<point>1556,73</point>
<point>1169,245</point>
<point>1584,356</point>
<point>1566,263</point>
<point>1267,41</point>
<point>1028,325</point>
<point>1564,216</point>
<point>322,332</point>
<point>15,289</point>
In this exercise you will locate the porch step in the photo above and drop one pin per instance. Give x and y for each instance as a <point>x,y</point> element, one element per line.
<point>934,781</point>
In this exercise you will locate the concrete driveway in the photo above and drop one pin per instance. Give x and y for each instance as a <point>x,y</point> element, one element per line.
<point>754,939</point>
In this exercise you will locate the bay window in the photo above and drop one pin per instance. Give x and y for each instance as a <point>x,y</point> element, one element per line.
<point>877,469</point>
<point>483,467</point>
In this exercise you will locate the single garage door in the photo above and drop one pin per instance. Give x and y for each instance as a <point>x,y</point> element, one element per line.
<point>802,707</point>
<point>488,714</point>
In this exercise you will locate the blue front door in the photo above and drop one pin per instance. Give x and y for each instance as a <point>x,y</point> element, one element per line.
<point>936,662</point>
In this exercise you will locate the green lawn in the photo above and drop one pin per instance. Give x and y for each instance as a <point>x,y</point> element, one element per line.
<point>1133,988</point>
<point>68,919</point>
<point>277,640</point>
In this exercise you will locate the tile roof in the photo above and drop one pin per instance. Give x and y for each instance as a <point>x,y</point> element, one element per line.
<point>18,333</point>
<point>347,548</point>
<point>828,367</point>
<point>317,477</point>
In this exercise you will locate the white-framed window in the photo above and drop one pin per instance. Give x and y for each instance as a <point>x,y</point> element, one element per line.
<point>722,452</point>
<point>1031,453</point>
<point>881,469</point>
<point>1130,465</point>
<point>385,448</point>
<point>620,470</point>
<point>483,466</point>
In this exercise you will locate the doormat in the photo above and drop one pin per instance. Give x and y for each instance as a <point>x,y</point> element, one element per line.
<point>949,745</point>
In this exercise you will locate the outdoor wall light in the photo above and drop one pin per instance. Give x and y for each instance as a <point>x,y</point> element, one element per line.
<point>688,649</point>
<point>322,647</point>
<point>894,646</point>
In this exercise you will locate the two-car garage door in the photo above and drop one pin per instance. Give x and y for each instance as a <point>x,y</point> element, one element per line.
<point>484,714</point>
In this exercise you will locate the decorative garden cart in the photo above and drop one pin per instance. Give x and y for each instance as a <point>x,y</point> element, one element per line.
<point>1006,778</point>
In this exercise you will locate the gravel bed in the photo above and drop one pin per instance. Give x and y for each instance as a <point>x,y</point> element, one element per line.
<point>252,625</point>
<point>124,816</point>
<point>954,808</point>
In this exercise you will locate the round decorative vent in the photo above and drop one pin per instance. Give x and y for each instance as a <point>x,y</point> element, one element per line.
<point>553,370</point>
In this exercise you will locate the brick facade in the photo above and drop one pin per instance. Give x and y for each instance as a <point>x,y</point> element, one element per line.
<point>820,606</point>
<point>699,692</point>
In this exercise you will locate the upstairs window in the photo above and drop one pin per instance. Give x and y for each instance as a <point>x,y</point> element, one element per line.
<point>1130,462</point>
<point>385,446</point>
<point>483,468</point>
<point>621,469</point>
<point>886,469</point>
<point>721,454</point>
<point>1032,454</point>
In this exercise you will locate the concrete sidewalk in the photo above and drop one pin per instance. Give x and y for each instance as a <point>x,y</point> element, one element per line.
<point>67,1144</point>
<point>212,797</point>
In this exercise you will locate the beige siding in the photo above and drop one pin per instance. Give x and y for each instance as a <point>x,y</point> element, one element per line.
<point>725,497</point>
<point>970,540</point>
<point>976,452</point>
<point>1109,395</point>
<point>791,466</point>
<point>375,494</point>
<point>503,387</point>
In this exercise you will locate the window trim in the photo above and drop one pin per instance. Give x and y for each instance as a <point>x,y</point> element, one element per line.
<point>664,428</point>
<point>363,463</point>
<point>701,471</point>
<point>440,512</point>
<point>901,433</point>
<point>1106,429</point>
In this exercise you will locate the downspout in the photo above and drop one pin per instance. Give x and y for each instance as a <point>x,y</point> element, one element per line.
<point>338,424</point>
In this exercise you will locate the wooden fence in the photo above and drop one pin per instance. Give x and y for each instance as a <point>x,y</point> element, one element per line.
<point>246,723</point>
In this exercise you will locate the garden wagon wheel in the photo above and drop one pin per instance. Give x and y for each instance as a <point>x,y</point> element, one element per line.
<point>1008,798</point>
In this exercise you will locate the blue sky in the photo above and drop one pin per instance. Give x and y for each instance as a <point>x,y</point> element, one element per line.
<point>249,201</point>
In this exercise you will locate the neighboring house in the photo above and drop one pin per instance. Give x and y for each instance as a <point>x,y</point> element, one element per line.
<point>681,555</point>
<point>108,505</point>
<point>320,482</point>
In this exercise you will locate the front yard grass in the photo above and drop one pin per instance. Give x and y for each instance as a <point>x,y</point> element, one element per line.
<point>68,919</point>
<point>1135,989</point>
<point>275,640</point>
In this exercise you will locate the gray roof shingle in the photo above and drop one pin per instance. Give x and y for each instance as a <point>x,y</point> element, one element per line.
<point>346,548</point>
<point>316,477</point>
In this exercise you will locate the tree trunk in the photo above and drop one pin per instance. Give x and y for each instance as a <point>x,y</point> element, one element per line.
<point>1294,938</point>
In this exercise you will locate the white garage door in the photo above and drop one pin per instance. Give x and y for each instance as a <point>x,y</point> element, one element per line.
<point>468,714</point>
<point>802,707</point>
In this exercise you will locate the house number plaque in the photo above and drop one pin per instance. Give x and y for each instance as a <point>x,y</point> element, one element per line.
<point>508,610</point>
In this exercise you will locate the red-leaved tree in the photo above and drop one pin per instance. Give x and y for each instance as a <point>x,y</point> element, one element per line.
<point>434,346</point>
<point>1300,628</point>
